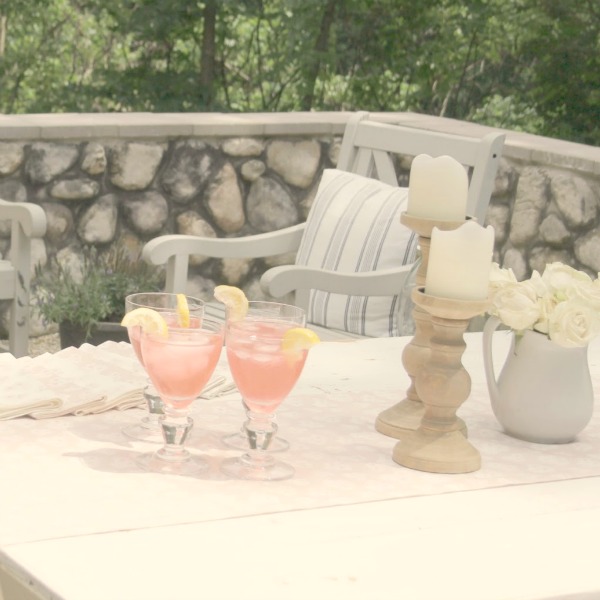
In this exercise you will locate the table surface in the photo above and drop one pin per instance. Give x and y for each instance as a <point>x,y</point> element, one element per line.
<point>80,521</point>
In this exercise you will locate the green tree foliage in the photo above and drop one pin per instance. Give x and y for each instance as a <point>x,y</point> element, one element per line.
<point>531,65</point>
<point>565,55</point>
<point>50,52</point>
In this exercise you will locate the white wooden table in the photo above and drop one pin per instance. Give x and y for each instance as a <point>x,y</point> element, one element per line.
<point>79,521</point>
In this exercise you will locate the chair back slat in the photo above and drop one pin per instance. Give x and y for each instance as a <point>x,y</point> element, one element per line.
<point>368,146</point>
<point>28,221</point>
<point>384,165</point>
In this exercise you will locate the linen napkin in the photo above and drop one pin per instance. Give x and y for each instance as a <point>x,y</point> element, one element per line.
<point>78,381</point>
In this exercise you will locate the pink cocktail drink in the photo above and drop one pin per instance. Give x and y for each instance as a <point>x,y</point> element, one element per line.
<point>180,365</point>
<point>135,333</point>
<point>135,337</point>
<point>265,363</point>
<point>148,428</point>
<point>263,372</point>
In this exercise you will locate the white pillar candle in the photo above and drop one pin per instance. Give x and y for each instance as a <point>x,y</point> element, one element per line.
<point>460,262</point>
<point>437,188</point>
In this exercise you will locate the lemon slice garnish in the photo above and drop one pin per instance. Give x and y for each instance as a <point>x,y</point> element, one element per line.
<point>146,318</point>
<point>297,339</point>
<point>183,311</point>
<point>234,299</point>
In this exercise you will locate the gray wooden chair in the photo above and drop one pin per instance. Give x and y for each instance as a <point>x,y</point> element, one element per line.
<point>368,149</point>
<point>27,221</point>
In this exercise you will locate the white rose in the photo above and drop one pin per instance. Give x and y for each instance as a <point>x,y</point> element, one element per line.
<point>573,324</point>
<point>560,278</point>
<point>546,304</point>
<point>516,305</point>
<point>540,286</point>
<point>588,292</point>
<point>499,277</point>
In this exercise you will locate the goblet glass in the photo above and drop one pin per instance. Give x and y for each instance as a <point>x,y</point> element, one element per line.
<point>239,439</point>
<point>148,429</point>
<point>265,372</point>
<point>179,366</point>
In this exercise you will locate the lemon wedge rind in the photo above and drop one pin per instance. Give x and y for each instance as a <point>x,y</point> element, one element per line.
<point>149,320</point>
<point>183,311</point>
<point>298,339</point>
<point>234,299</point>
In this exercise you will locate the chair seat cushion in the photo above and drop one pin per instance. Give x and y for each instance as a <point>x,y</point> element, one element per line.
<point>354,226</point>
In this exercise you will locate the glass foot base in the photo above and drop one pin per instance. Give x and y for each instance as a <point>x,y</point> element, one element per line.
<point>145,431</point>
<point>239,441</point>
<point>155,463</point>
<point>239,468</point>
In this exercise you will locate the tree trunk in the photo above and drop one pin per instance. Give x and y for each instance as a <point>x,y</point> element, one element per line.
<point>207,60</point>
<point>320,48</point>
<point>2,35</point>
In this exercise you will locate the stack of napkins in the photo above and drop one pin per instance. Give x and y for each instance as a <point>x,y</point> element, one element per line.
<point>78,381</point>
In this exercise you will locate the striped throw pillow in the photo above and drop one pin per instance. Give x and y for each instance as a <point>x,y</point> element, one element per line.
<point>354,226</point>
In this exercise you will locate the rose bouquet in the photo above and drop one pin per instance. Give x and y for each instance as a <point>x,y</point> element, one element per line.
<point>561,303</point>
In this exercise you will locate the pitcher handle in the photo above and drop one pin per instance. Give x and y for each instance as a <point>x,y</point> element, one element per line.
<point>488,363</point>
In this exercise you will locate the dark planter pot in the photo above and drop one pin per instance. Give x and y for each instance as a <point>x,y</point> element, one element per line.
<point>72,334</point>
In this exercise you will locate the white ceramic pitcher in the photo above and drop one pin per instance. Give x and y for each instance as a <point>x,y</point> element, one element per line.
<point>544,392</point>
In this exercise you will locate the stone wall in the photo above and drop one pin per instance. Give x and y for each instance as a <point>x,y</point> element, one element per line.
<point>544,214</point>
<point>120,180</point>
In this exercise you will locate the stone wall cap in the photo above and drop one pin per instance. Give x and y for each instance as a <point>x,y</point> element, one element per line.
<point>152,126</point>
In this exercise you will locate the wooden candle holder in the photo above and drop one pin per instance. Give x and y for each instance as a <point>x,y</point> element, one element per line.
<point>405,416</point>
<point>438,445</point>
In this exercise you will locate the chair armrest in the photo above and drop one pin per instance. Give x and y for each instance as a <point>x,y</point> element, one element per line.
<point>30,217</point>
<point>279,281</point>
<point>160,249</point>
<point>174,250</point>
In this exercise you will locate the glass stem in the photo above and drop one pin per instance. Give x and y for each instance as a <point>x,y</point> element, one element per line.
<point>176,426</point>
<point>154,404</point>
<point>260,429</point>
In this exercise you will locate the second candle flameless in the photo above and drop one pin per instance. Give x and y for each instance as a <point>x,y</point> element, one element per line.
<point>460,262</point>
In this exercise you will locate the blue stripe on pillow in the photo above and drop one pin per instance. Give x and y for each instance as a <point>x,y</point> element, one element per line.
<point>354,226</point>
